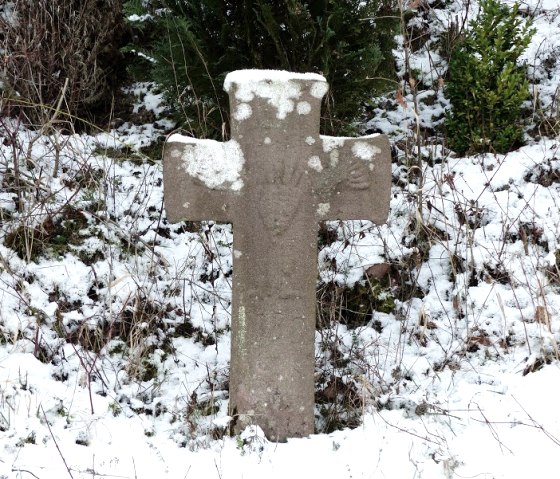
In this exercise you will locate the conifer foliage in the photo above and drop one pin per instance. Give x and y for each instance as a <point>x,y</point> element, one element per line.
<point>487,86</point>
<point>196,43</point>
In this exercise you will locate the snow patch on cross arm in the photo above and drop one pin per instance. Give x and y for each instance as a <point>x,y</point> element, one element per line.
<point>332,142</point>
<point>364,150</point>
<point>217,164</point>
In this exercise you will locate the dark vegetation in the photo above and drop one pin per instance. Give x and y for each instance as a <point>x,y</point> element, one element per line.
<point>194,44</point>
<point>61,56</point>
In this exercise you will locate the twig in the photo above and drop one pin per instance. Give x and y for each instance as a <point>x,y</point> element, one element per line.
<point>56,444</point>
<point>59,104</point>
<point>407,431</point>
<point>537,425</point>
<point>47,125</point>
<point>25,470</point>
<point>492,430</point>
<point>217,469</point>
<point>88,368</point>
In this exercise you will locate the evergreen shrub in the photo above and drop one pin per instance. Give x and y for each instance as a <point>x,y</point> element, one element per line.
<point>192,45</point>
<point>486,85</point>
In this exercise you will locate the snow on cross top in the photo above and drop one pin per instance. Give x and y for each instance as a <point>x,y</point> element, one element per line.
<point>281,88</point>
<point>249,76</point>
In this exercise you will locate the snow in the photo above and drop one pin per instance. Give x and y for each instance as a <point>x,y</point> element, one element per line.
<point>323,209</point>
<point>139,18</point>
<point>314,162</point>
<point>331,142</point>
<point>360,148</point>
<point>243,112</point>
<point>460,378</point>
<point>251,76</point>
<point>217,164</point>
<point>280,88</point>
<point>151,99</point>
<point>303,108</point>
<point>319,89</point>
<point>364,150</point>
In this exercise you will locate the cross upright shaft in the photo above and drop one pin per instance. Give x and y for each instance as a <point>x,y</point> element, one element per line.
<point>275,180</point>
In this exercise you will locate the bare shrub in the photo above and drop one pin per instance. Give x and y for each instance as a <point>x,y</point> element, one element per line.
<point>48,43</point>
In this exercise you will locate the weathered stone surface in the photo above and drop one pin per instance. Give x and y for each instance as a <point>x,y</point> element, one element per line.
<point>275,180</point>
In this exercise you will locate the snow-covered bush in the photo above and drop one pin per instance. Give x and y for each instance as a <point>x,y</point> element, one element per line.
<point>194,44</point>
<point>486,85</point>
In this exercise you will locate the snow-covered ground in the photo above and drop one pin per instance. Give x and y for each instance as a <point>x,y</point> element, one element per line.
<point>114,324</point>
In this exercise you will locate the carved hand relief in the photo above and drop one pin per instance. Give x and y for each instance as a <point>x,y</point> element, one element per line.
<point>280,196</point>
<point>278,207</point>
<point>358,175</point>
<point>349,163</point>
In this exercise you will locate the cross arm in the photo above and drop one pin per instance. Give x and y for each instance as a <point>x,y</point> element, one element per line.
<point>203,178</point>
<point>355,181</point>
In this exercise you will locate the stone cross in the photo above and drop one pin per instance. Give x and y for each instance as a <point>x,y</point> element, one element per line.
<point>275,180</point>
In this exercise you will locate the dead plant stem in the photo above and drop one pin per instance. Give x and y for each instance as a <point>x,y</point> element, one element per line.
<point>56,444</point>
